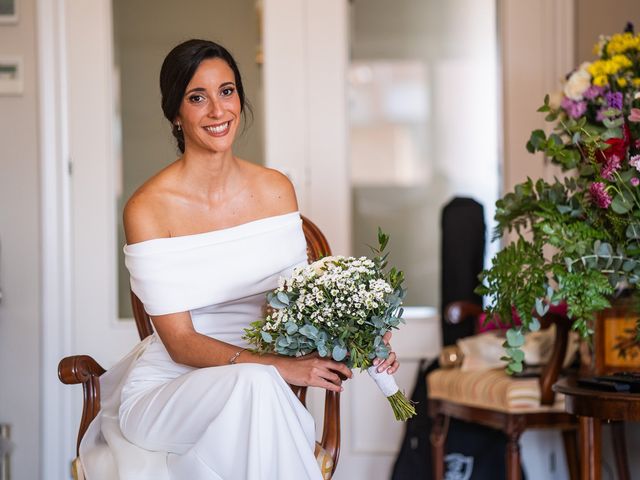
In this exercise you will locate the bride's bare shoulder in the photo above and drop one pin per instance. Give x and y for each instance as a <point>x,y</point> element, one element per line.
<point>273,188</point>
<point>145,211</point>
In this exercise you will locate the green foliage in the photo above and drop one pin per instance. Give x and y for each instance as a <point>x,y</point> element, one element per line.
<point>577,239</point>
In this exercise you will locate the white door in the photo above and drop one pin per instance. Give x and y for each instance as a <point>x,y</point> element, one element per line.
<point>94,178</point>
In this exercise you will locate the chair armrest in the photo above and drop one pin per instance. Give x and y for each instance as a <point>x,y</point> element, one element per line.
<point>553,367</point>
<point>331,422</point>
<point>85,370</point>
<point>331,427</point>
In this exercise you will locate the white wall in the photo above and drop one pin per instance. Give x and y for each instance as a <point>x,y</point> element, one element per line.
<point>20,254</point>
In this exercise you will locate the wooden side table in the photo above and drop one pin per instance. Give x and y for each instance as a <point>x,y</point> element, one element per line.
<point>591,406</point>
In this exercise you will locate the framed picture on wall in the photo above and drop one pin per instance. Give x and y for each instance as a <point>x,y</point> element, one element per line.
<point>8,11</point>
<point>11,77</point>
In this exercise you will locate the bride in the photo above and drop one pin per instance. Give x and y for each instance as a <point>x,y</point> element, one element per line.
<point>207,236</point>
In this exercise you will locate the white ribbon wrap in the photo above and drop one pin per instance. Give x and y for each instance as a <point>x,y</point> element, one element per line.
<point>385,382</point>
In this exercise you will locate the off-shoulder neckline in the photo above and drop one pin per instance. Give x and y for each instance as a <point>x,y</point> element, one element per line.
<point>211,233</point>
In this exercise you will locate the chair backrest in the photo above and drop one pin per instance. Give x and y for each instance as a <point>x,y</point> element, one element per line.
<point>317,247</point>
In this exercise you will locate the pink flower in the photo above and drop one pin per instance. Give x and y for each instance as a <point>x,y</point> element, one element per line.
<point>634,161</point>
<point>599,195</point>
<point>611,166</point>
<point>634,116</point>
<point>634,181</point>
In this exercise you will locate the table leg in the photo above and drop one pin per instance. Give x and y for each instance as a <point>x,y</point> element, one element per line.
<point>590,449</point>
<point>438,438</point>
<point>513,457</point>
<point>620,450</point>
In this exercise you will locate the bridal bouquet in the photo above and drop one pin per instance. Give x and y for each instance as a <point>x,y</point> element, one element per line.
<point>340,307</point>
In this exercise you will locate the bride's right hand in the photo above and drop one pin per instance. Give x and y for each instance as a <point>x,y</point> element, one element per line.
<point>313,371</point>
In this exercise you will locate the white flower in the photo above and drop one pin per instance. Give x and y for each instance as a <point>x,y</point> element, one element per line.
<point>578,83</point>
<point>318,265</point>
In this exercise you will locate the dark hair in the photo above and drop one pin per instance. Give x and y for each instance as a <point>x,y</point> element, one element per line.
<point>178,68</point>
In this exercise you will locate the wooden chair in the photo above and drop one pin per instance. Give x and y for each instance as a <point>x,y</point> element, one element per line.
<point>468,405</point>
<point>85,370</point>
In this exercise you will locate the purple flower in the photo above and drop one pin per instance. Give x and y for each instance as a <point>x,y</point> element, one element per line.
<point>574,109</point>
<point>599,195</point>
<point>634,161</point>
<point>634,181</point>
<point>592,92</point>
<point>614,100</point>
<point>612,165</point>
<point>600,116</point>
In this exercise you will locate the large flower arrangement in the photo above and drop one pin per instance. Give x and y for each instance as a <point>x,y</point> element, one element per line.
<point>578,237</point>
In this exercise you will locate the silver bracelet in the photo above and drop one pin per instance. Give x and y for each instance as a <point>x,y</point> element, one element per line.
<point>235,356</point>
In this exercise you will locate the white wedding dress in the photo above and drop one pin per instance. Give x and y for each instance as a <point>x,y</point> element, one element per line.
<point>162,420</point>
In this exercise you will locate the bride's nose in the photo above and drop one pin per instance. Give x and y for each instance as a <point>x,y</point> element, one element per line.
<point>216,110</point>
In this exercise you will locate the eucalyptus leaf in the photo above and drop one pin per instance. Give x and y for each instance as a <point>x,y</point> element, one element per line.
<point>604,250</point>
<point>621,203</point>
<point>534,324</point>
<point>382,351</point>
<point>633,230</point>
<point>515,337</point>
<point>516,354</point>
<point>291,327</point>
<point>564,208</point>
<point>266,336</point>
<point>516,367</point>
<point>541,307</point>
<point>612,133</point>
<point>576,138</point>
<point>309,331</point>
<point>339,353</point>
<point>276,303</point>
<point>283,297</point>
<point>569,263</point>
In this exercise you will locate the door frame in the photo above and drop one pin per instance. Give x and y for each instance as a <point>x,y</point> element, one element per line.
<point>57,433</point>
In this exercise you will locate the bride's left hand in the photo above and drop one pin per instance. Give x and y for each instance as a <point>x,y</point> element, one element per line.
<point>391,363</point>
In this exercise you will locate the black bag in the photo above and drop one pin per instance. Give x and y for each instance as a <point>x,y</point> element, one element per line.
<point>414,459</point>
<point>462,259</point>
<point>472,452</point>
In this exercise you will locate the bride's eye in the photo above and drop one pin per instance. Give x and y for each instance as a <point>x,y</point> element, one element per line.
<point>227,91</point>
<point>196,98</point>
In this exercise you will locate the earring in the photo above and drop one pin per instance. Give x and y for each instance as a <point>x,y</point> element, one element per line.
<point>179,127</point>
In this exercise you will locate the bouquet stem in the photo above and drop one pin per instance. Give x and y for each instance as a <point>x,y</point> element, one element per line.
<point>403,408</point>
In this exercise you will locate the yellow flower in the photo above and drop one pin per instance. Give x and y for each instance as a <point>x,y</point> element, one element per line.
<point>621,43</point>
<point>621,61</point>
<point>601,81</point>
<point>636,82</point>
<point>621,81</point>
